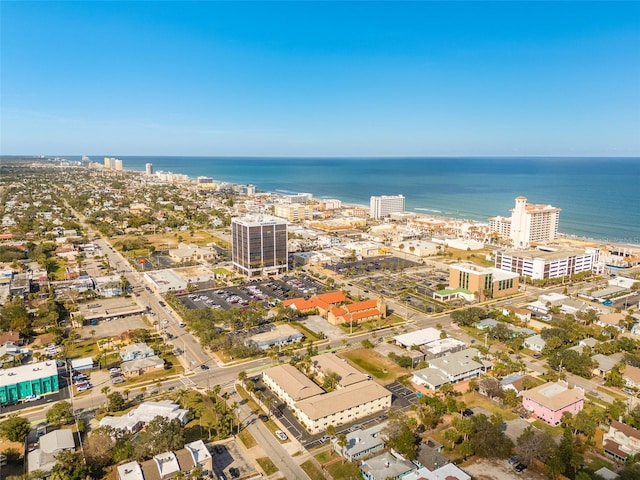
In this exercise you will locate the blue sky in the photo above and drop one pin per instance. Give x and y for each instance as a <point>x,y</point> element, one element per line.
<point>320,78</point>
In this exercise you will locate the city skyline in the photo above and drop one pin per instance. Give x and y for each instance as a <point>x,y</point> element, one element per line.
<point>321,79</point>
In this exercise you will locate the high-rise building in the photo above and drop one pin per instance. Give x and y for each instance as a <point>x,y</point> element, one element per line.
<point>107,163</point>
<point>533,223</point>
<point>382,206</point>
<point>259,245</point>
<point>118,164</point>
<point>148,168</point>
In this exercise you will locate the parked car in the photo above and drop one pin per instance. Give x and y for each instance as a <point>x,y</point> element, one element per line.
<point>514,460</point>
<point>264,418</point>
<point>219,449</point>
<point>521,467</point>
<point>281,435</point>
<point>32,398</point>
<point>117,380</point>
<point>114,370</point>
<point>204,366</point>
<point>467,412</point>
<point>85,386</point>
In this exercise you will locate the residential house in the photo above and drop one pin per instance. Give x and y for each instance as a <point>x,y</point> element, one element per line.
<point>535,343</point>
<point>611,319</point>
<point>50,444</point>
<point>361,443</point>
<point>135,351</point>
<point>453,368</point>
<point>523,314</point>
<point>446,472</point>
<point>136,419</point>
<point>550,400</point>
<point>631,376</point>
<point>386,466</point>
<point>140,366</point>
<point>430,455</point>
<point>605,363</point>
<point>621,441</point>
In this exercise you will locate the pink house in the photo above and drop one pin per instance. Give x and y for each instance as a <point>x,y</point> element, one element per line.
<point>549,401</point>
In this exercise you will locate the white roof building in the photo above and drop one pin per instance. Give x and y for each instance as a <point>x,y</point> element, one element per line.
<point>130,471</point>
<point>146,412</point>
<point>418,338</point>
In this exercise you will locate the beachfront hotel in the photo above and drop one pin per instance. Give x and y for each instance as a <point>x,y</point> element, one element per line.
<point>383,206</point>
<point>259,245</point>
<point>529,223</point>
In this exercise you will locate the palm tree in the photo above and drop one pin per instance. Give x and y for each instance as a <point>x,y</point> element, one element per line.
<point>342,442</point>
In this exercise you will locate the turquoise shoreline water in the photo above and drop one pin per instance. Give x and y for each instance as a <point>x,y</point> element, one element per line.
<point>599,197</point>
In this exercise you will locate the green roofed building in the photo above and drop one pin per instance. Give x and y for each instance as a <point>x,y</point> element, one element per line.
<point>34,379</point>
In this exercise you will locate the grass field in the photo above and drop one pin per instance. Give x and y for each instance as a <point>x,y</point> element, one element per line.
<point>247,439</point>
<point>476,256</point>
<point>375,364</point>
<point>310,469</point>
<point>267,465</point>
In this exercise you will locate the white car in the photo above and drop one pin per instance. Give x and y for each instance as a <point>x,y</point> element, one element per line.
<point>281,435</point>
<point>32,398</point>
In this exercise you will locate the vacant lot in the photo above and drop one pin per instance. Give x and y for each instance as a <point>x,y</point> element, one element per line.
<point>485,469</point>
<point>375,364</point>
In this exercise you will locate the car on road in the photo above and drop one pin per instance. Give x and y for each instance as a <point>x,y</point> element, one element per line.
<point>324,438</point>
<point>264,418</point>
<point>204,366</point>
<point>32,398</point>
<point>281,435</point>
<point>162,304</point>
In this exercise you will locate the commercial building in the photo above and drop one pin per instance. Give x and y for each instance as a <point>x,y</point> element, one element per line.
<point>35,379</point>
<point>550,400</point>
<point>483,282</point>
<point>540,264</point>
<point>259,245</point>
<point>383,206</point>
<point>280,335</point>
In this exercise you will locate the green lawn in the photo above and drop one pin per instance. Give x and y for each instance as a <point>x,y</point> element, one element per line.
<point>310,469</point>
<point>375,364</point>
<point>247,439</point>
<point>267,465</point>
<point>346,470</point>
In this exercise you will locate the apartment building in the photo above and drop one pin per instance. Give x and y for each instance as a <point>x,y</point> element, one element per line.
<point>259,245</point>
<point>294,212</point>
<point>382,206</point>
<point>528,223</point>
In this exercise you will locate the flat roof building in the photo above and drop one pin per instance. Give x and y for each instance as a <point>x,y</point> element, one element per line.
<point>541,264</point>
<point>259,245</point>
<point>550,400</point>
<point>34,379</point>
<point>483,282</point>
<point>280,335</point>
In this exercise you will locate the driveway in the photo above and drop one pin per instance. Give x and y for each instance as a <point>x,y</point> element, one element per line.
<point>317,324</point>
<point>489,469</point>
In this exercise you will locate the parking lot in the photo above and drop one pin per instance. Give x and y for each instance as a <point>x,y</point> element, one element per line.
<point>111,328</point>
<point>266,293</point>
<point>371,265</point>
<point>228,461</point>
<point>403,397</point>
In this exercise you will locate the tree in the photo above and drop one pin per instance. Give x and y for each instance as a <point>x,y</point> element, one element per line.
<point>69,466</point>
<point>487,437</point>
<point>116,402</point>
<point>535,444</point>
<point>98,448</point>
<point>331,430</point>
<point>242,375</point>
<point>60,413</point>
<point>15,428</point>
<point>400,435</point>
<point>331,380</point>
<point>342,442</point>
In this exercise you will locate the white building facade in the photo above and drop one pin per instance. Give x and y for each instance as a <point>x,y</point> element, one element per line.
<point>533,223</point>
<point>382,206</point>
<point>543,264</point>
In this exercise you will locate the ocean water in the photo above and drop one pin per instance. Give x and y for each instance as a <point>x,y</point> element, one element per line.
<point>599,197</point>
